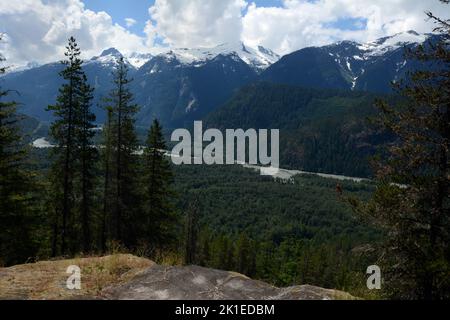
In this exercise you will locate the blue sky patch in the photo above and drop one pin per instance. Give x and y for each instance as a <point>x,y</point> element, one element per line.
<point>350,24</point>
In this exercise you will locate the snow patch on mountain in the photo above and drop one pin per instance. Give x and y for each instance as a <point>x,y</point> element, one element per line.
<point>20,68</point>
<point>137,60</point>
<point>258,58</point>
<point>110,57</point>
<point>42,143</point>
<point>352,57</point>
<point>382,46</point>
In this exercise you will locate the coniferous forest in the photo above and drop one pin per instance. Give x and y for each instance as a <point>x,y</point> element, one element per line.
<point>114,190</point>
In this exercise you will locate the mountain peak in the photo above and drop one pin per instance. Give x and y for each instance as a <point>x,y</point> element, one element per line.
<point>108,57</point>
<point>409,36</point>
<point>111,52</point>
<point>381,45</point>
<point>413,32</point>
<point>258,58</point>
<point>390,43</point>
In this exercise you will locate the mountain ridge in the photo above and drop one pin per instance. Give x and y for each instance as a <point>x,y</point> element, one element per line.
<point>349,65</point>
<point>263,57</point>
<point>182,85</point>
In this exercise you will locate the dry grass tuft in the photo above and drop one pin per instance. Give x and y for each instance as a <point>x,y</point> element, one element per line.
<point>47,279</point>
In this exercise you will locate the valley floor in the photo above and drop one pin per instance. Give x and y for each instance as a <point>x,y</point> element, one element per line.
<point>279,173</point>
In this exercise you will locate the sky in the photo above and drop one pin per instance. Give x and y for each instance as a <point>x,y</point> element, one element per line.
<point>37,30</point>
<point>138,11</point>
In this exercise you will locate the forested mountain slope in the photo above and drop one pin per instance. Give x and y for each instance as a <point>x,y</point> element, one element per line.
<point>320,130</point>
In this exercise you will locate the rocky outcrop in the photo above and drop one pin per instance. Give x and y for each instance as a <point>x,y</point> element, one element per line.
<point>197,283</point>
<point>125,277</point>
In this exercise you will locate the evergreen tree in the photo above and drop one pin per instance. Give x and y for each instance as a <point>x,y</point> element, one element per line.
<point>87,157</point>
<point>205,254</point>
<point>107,164</point>
<point>222,250</point>
<point>158,177</point>
<point>412,200</point>
<point>191,233</point>
<point>65,131</point>
<point>125,165</point>
<point>225,253</point>
<point>245,258</point>
<point>16,188</point>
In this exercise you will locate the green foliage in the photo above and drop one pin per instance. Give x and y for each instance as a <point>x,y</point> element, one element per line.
<point>88,157</point>
<point>125,164</point>
<point>18,205</point>
<point>320,130</point>
<point>233,199</point>
<point>72,175</point>
<point>191,237</point>
<point>107,166</point>
<point>412,199</point>
<point>159,212</point>
<point>279,232</point>
<point>292,232</point>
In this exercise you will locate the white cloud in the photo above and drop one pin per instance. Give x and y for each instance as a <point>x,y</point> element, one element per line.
<point>301,23</point>
<point>130,22</point>
<point>37,30</point>
<point>294,25</point>
<point>195,23</point>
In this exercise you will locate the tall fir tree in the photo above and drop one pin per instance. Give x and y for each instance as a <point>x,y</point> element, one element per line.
<point>160,217</point>
<point>412,201</point>
<point>87,158</point>
<point>17,203</point>
<point>107,165</point>
<point>126,163</point>
<point>70,127</point>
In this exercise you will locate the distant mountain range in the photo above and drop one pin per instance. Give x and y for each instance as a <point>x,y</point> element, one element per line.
<point>175,86</point>
<point>349,65</point>
<point>184,84</point>
<point>319,97</point>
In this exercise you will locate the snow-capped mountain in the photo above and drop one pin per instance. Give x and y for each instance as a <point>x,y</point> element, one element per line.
<point>362,62</point>
<point>20,68</point>
<point>258,58</point>
<point>180,85</point>
<point>349,65</point>
<point>388,44</point>
<point>107,57</point>
<point>110,56</point>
